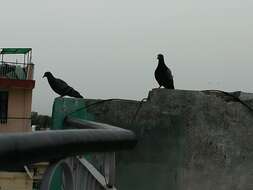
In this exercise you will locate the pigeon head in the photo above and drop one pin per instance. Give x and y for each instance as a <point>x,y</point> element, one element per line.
<point>160,56</point>
<point>47,74</point>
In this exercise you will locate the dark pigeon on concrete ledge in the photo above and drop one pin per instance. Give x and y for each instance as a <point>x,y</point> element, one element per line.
<point>61,87</point>
<point>163,74</point>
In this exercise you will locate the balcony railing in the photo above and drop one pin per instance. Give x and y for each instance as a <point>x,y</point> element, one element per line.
<point>17,71</point>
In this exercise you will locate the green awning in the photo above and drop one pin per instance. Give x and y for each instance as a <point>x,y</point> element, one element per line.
<point>15,50</point>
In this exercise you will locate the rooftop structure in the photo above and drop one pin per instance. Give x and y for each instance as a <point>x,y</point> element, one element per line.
<point>16,84</point>
<point>16,63</point>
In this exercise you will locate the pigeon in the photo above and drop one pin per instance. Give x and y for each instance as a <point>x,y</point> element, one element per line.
<point>163,74</point>
<point>61,87</point>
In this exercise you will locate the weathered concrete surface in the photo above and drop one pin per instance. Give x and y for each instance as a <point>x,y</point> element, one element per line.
<point>188,140</point>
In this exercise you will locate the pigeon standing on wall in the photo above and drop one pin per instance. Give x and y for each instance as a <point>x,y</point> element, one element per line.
<point>163,74</point>
<point>61,87</point>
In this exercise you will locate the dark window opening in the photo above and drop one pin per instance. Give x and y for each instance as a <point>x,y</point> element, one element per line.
<point>3,106</point>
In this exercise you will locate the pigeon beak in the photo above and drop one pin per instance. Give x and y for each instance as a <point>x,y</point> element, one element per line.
<point>43,76</point>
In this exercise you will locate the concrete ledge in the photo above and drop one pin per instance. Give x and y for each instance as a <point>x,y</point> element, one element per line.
<point>187,140</point>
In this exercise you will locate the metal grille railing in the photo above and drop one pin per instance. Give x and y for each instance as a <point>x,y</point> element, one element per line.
<point>16,71</point>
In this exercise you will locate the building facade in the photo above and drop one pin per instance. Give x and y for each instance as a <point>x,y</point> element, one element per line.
<point>16,85</point>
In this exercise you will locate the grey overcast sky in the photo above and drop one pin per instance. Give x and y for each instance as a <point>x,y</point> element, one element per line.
<point>107,48</point>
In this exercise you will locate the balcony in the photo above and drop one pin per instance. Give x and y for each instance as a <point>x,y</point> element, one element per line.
<point>20,69</point>
<point>16,71</point>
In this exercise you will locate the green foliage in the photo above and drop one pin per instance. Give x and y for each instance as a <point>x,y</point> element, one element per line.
<point>41,122</point>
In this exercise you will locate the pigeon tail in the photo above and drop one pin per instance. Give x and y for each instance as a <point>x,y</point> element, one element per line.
<point>74,93</point>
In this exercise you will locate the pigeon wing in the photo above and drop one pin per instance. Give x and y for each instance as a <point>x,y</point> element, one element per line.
<point>168,74</point>
<point>60,86</point>
<point>168,79</point>
<point>65,89</point>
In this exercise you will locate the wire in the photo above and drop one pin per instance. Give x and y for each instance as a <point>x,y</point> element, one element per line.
<point>90,105</point>
<point>144,99</point>
<point>108,100</point>
<point>138,110</point>
<point>231,95</point>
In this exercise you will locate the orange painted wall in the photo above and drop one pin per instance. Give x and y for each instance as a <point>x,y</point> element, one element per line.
<point>19,106</point>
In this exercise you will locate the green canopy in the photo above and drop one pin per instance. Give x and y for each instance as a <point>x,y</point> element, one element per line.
<point>15,50</point>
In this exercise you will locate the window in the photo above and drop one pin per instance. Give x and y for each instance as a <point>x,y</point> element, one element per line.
<point>3,106</point>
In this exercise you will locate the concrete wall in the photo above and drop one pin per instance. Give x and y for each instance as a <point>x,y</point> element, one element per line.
<point>188,140</point>
<point>19,106</point>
